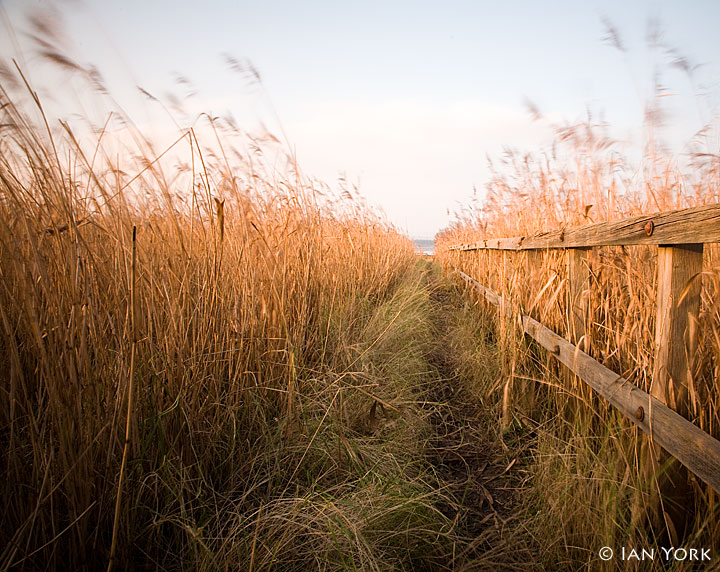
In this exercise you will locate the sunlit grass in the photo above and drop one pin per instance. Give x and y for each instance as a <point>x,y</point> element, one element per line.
<point>274,334</point>
<point>591,488</point>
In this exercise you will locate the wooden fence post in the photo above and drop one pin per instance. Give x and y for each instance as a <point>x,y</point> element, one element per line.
<point>578,282</point>
<point>534,262</point>
<point>507,365</point>
<point>678,304</point>
<point>578,273</point>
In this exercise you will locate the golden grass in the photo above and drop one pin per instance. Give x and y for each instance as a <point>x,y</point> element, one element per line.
<point>591,489</point>
<point>193,347</point>
<point>209,361</point>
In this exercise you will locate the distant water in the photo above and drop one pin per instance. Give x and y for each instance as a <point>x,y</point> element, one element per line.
<point>424,246</point>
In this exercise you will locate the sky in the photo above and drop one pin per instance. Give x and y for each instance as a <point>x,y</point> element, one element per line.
<point>404,99</point>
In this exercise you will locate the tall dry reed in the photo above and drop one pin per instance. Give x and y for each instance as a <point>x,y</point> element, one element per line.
<point>590,458</point>
<point>186,334</point>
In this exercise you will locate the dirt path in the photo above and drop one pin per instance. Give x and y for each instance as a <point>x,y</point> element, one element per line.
<point>484,477</point>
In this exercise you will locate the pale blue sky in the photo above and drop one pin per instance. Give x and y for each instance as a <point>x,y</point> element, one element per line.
<point>406,97</point>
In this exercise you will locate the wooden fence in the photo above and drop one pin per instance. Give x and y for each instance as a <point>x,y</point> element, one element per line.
<point>679,236</point>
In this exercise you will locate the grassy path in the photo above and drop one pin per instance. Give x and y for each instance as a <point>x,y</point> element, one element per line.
<point>546,493</point>
<point>481,472</point>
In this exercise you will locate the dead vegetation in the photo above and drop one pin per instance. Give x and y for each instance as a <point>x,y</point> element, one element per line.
<point>587,456</point>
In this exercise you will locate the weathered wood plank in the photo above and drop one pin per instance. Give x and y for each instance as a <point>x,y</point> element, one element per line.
<point>578,283</point>
<point>490,296</point>
<point>578,274</point>
<point>678,305</point>
<point>533,273</point>
<point>684,226</point>
<point>692,446</point>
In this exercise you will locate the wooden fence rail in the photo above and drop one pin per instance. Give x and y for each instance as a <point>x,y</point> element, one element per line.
<point>680,236</point>
<point>694,448</point>
<point>685,226</point>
